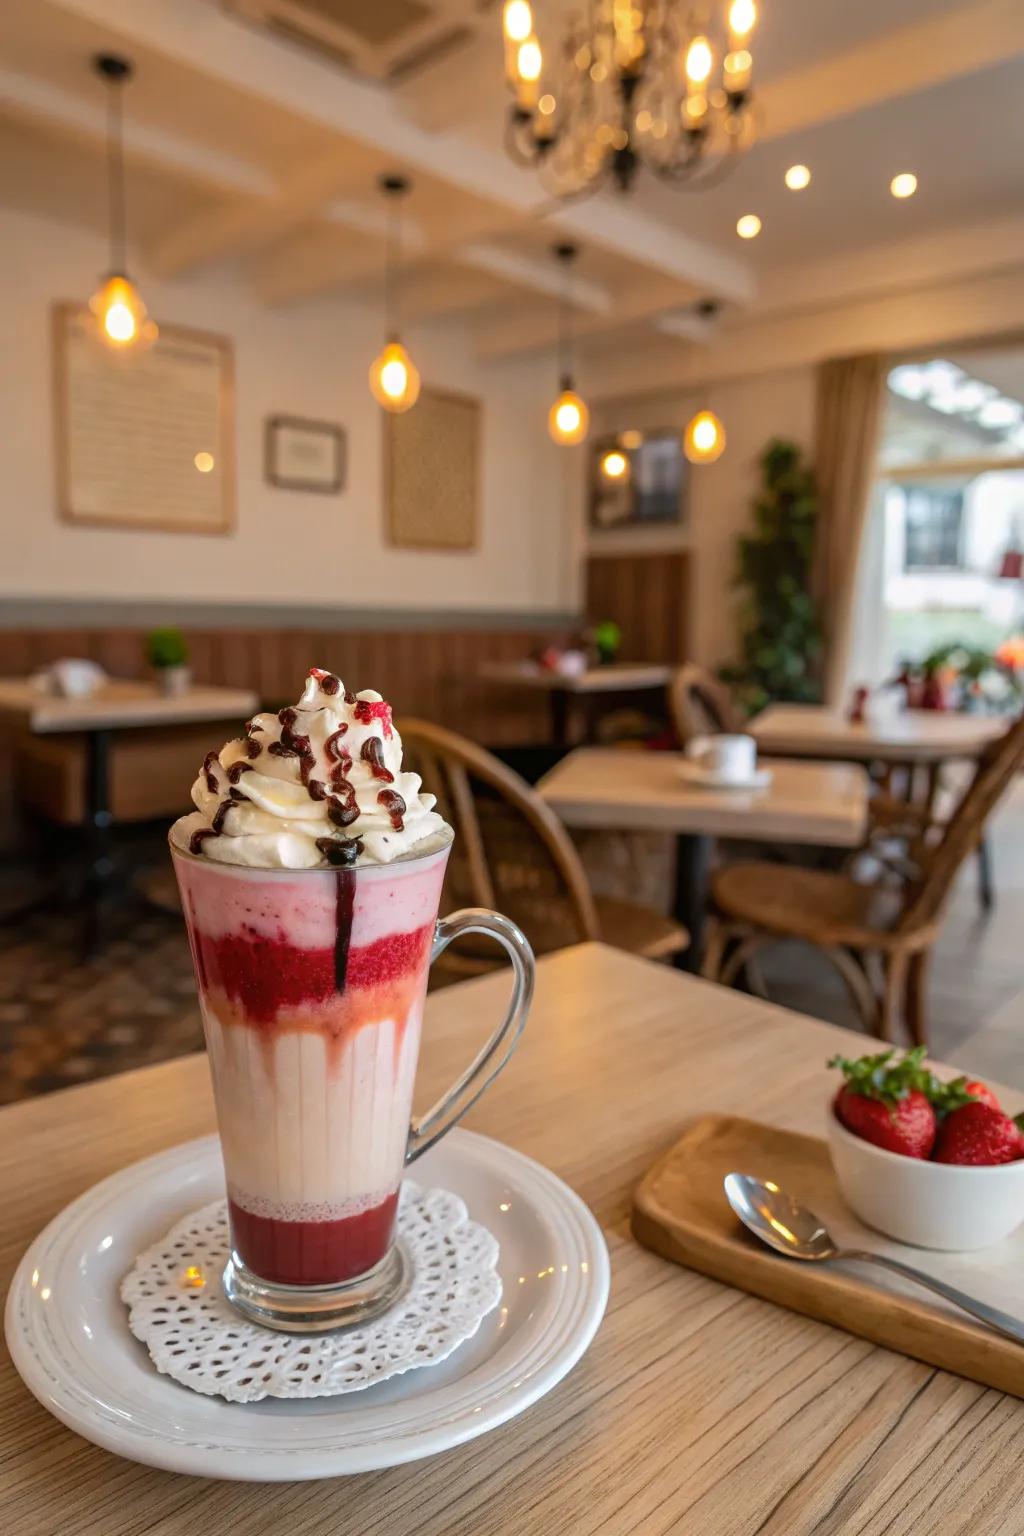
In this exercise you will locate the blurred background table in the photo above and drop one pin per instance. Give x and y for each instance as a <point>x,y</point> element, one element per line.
<point>822,804</point>
<point>572,698</point>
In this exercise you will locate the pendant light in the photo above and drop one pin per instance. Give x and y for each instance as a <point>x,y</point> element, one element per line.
<point>122,320</point>
<point>568,418</point>
<point>394,378</point>
<point>704,438</point>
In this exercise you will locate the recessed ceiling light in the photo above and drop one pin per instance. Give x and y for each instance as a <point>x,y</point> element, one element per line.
<point>903,185</point>
<point>798,177</point>
<point>748,226</point>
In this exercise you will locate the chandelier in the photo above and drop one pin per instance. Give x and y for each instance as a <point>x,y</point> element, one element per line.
<point>633,82</point>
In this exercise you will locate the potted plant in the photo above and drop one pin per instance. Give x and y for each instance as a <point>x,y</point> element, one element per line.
<point>167,654</point>
<point>607,638</point>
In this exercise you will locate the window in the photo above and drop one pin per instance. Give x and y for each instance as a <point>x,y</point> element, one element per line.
<point>932,528</point>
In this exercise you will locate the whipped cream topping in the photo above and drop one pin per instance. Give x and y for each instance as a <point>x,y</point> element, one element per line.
<point>318,784</point>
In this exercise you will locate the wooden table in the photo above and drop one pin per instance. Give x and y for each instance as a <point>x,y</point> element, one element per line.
<point>698,1408</point>
<point>569,696</point>
<point>630,791</point>
<point>914,736</point>
<point>116,706</point>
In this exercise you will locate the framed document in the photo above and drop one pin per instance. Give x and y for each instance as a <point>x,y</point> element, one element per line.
<point>637,484</point>
<point>301,455</point>
<point>432,472</point>
<point>145,439</point>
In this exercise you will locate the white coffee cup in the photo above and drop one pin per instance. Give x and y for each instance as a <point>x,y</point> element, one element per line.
<point>730,758</point>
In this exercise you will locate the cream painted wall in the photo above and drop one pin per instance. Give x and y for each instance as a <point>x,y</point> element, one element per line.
<point>288,547</point>
<point>752,410</point>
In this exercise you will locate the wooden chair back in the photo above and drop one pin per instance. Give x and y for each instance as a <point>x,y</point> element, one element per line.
<point>700,705</point>
<point>510,852</point>
<point>999,764</point>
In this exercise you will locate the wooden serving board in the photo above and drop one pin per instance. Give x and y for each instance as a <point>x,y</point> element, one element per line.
<point>680,1211</point>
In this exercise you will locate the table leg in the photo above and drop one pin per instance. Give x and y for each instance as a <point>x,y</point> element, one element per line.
<point>693,863</point>
<point>97,828</point>
<point>559,700</point>
<point>986,888</point>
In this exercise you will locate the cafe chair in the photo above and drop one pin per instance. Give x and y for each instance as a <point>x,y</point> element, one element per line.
<point>700,705</point>
<point>878,936</point>
<point>512,853</point>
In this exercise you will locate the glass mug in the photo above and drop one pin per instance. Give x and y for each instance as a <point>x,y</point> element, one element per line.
<point>312,984</point>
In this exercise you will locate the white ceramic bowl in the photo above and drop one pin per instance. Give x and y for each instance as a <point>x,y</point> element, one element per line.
<point>931,1205</point>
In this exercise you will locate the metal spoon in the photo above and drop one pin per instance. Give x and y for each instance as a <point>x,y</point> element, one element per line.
<point>790,1228</point>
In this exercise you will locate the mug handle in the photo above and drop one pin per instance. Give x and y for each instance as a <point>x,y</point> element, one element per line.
<point>495,1053</point>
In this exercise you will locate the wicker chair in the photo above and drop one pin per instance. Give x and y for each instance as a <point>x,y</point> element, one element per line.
<point>699,705</point>
<point>511,852</point>
<point>892,927</point>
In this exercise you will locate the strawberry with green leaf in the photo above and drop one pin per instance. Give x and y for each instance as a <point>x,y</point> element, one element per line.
<point>886,1100</point>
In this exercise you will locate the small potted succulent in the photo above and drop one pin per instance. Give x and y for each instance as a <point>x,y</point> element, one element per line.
<point>167,654</point>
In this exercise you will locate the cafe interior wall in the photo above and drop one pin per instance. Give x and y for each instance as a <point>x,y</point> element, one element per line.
<point>288,547</point>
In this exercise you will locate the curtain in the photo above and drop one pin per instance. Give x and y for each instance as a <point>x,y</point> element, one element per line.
<point>848,417</point>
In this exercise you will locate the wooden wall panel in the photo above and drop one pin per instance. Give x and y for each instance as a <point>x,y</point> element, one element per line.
<point>647,596</point>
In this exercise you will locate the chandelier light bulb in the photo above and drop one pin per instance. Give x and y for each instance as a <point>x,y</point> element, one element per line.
<point>699,61</point>
<point>529,59</point>
<point>798,177</point>
<point>568,419</point>
<point>517,20</point>
<point>742,17</point>
<point>394,379</point>
<point>903,185</point>
<point>614,465</point>
<point>122,319</point>
<point>748,226</point>
<point>704,438</point>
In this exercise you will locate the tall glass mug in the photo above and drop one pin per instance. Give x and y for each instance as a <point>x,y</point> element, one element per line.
<point>312,985</point>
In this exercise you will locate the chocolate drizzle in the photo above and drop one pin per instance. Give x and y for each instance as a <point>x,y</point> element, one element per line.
<point>198,838</point>
<point>219,816</point>
<point>373,753</point>
<point>253,748</point>
<point>236,770</point>
<point>345,898</point>
<point>211,780</point>
<point>395,806</point>
<point>329,684</point>
<point>343,812</point>
<point>317,789</point>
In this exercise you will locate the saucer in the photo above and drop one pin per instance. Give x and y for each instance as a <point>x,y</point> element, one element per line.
<point>67,1329</point>
<point>707,778</point>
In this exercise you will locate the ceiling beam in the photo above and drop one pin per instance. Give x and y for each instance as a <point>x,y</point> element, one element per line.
<point>539,276</point>
<point>899,62</point>
<point>535,329</point>
<point>204,37</point>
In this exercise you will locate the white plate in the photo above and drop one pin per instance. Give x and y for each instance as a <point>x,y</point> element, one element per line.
<point>67,1329</point>
<point>707,778</point>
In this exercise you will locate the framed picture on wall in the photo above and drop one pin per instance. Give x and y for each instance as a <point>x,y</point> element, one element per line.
<point>637,480</point>
<point>303,455</point>
<point>432,472</point>
<point>144,439</point>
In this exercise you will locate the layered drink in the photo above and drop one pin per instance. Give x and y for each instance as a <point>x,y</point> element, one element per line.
<point>310,875</point>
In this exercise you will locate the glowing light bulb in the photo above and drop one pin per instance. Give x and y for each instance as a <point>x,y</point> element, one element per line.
<point>120,313</point>
<point>748,226</point>
<point>517,20</point>
<point>394,379</point>
<point>529,59</point>
<point>568,418</point>
<point>699,61</point>
<point>903,185</point>
<point>704,438</point>
<point>203,461</point>
<point>614,465</point>
<point>742,17</point>
<point>798,177</point>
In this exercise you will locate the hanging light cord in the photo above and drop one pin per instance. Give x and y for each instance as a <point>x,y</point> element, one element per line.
<point>565,334</point>
<point>395,188</point>
<point>116,183</point>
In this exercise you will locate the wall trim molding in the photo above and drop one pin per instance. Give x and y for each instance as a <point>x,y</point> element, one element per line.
<point>31,613</point>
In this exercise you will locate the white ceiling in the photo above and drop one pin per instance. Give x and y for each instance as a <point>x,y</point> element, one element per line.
<point>244,148</point>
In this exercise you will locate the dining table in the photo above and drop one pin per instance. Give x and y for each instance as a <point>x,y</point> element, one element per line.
<point>697,1408</point>
<point>573,696</point>
<point>626,790</point>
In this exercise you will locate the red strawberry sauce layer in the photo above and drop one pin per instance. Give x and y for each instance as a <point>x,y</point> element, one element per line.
<point>263,976</point>
<point>313,1252</point>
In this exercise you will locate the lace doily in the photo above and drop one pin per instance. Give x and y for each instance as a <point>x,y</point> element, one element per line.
<point>177,1308</point>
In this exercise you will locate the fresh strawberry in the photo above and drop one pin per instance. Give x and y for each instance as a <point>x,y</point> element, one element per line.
<point>983,1092</point>
<point>885,1101</point>
<point>978,1134</point>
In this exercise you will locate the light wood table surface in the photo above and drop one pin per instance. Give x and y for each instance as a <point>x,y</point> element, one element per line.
<point>914,736</point>
<point>698,1410</point>
<point>630,791</point>
<point>119,705</point>
<point>570,697</point>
